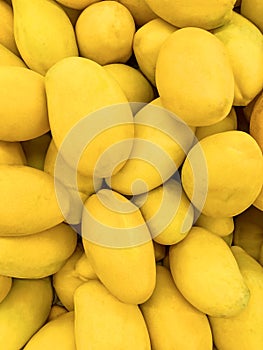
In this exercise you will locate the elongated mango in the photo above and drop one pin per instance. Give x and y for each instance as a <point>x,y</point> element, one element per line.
<point>28,200</point>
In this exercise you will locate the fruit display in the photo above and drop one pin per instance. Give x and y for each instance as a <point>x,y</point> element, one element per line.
<point>131,175</point>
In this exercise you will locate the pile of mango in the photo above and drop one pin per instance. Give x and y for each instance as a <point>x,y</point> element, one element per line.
<point>131,175</point>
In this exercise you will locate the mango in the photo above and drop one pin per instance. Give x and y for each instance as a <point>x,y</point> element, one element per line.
<point>118,244</point>
<point>27,257</point>
<point>55,33</point>
<point>56,334</point>
<point>110,18</point>
<point>190,58</point>
<point>74,111</point>
<point>28,201</point>
<point>220,226</point>
<point>56,311</point>
<point>7,27</point>
<point>102,321</point>
<point>35,150</point>
<point>24,311</point>
<point>207,274</point>
<point>84,269</point>
<point>244,44</point>
<point>245,330</point>
<point>5,286</point>
<point>140,11</point>
<point>29,112</point>
<point>8,58</point>
<point>12,153</point>
<point>205,14</point>
<point>77,4</point>
<point>172,322</point>
<point>147,42</point>
<point>252,9</point>
<point>232,167</point>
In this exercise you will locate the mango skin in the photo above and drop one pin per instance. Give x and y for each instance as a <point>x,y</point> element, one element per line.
<point>189,58</point>
<point>244,331</point>
<point>7,27</point>
<point>24,311</point>
<point>55,33</point>
<point>56,334</point>
<point>207,274</point>
<point>29,203</point>
<point>8,58</point>
<point>126,268</point>
<point>172,322</point>
<point>11,153</point>
<point>109,131</point>
<point>38,255</point>
<point>104,322</point>
<point>29,112</point>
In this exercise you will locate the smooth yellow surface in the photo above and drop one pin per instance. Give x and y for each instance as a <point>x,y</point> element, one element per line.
<point>104,322</point>
<point>28,200</point>
<point>205,14</point>
<point>24,311</point>
<point>252,9</point>
<point>105,31</point>
<point>5,286</point>
<point>56,311</point>
<point>67,280</point>
<point>244,331</point>
<point>167,211</point>
<point>226,124</point>
<point>135,86</point>
<point>43,33</point>
<point>8,58</point>
<point>248,233</point>
<point>84,269</point>
<point>23,104</point>
<point>220,226</point>
<point>132,263</point>
<point>194,76</point>
<point>38,255</point>
<point>77,4</point>
<point>147,43</point>
<point>55,334</point>
<point>11,153</point>
<point>69,102</point>
<point>7,27</point>
<point>172,322</point>
<point>207,274</point>
<point>244,44</point>
<point>140,11</point>
<point>160,146</point>
<point>234,166</point>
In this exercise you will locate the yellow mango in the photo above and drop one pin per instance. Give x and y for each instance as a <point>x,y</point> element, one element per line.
<point>172,322</point>
<point>207,274</point>
<point>11,153</point>
<point>159,251</point>
<point>220,226</point>
<point>147,43</point>
<point>135,86</point>
<point>104,32</point>
<point>244,44</point>
<point>230,179</point>
<point>245,330</point>
<point>77,116</point>
<point>29,112</point>
<point>167,212</point>
<point>248,232</point>
<point>77,4</point>
<point>140,11</point>
<point>36,149</point>
<point>8,58</point>
<point>191,58</point>
<point>161,143</point>
<point>73,14</point>
<point>55,33</point>
<point>27,257</point>
<point>84,269</point>
<point>55,334</point>
<point>56,311</point>
<point>7,27</point>
<point>24,311</point>
<point>226,124</point>
<point>252,9</point>
<point>28,201</point>
<point>66,280</point>
<point>119,246</point>
<point>205,14</point>
<point>104,322</point>
<point>5,286</point>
